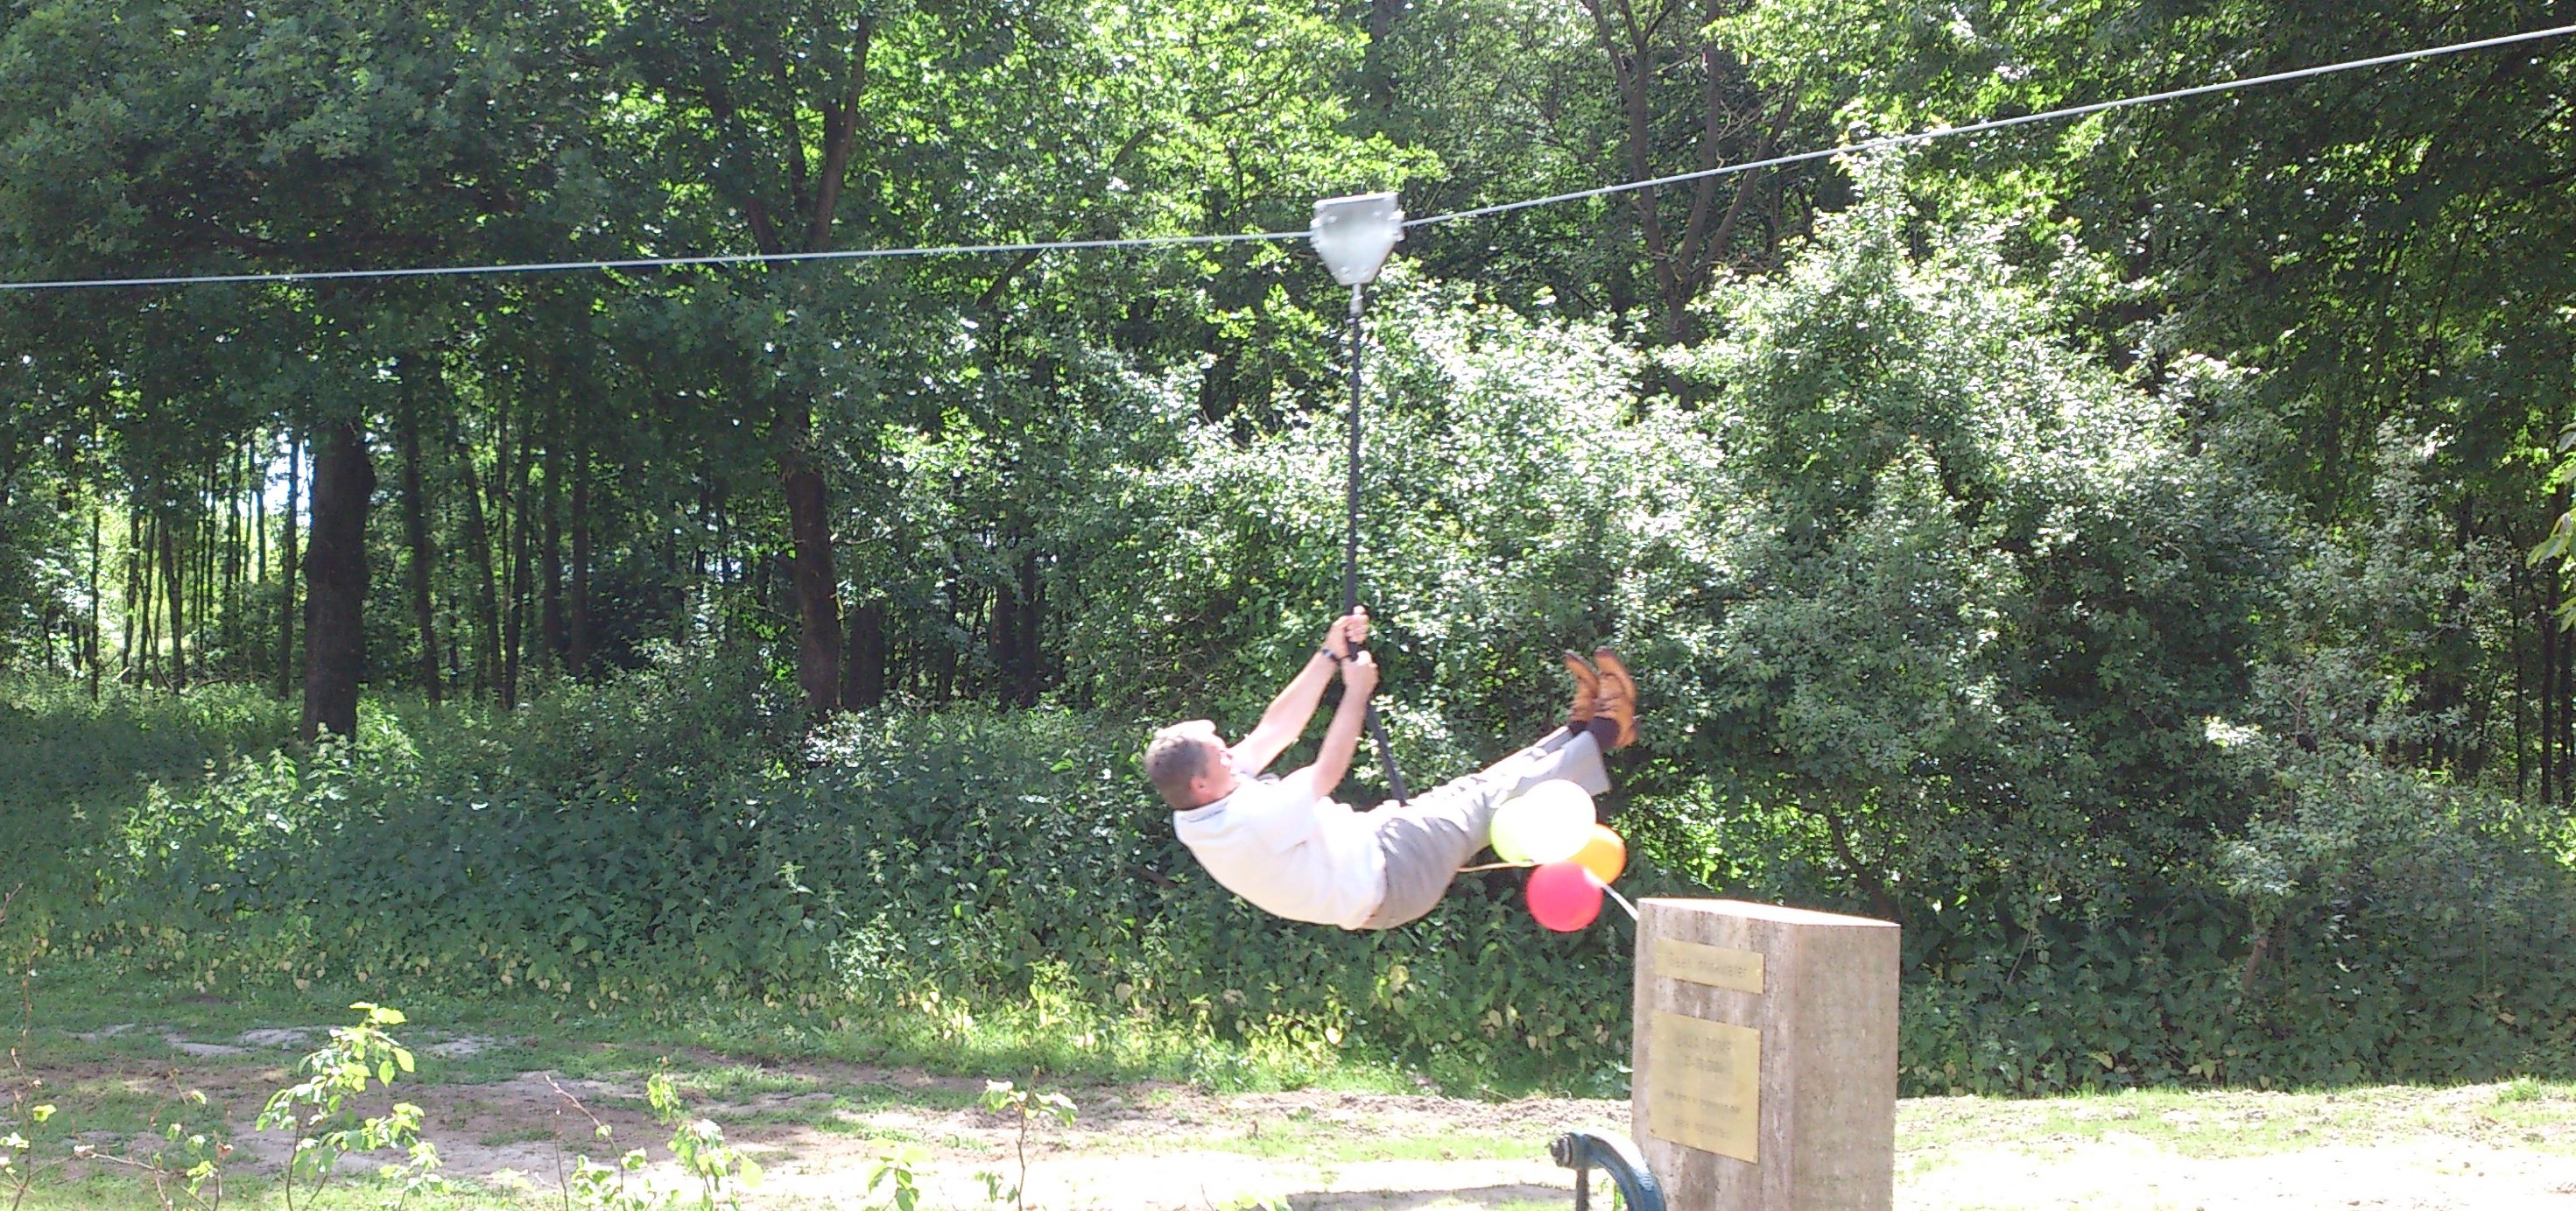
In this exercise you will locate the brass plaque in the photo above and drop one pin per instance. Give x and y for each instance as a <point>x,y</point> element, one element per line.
<point>1740,970</point>
<point>1706,1088</point>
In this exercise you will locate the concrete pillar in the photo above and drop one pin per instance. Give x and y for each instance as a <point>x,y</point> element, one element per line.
<point>1765,1061</point>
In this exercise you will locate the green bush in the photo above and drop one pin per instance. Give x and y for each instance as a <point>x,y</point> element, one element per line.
<point>592,842</point>
<point>671,832</point>
<point>666,831</point>
<point>932,864</point>
<point>72,769</point>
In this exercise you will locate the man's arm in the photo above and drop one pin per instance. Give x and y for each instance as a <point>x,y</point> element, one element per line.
<point>1342,735</point>
<point>1286,717</point>
<point>1288,714</point>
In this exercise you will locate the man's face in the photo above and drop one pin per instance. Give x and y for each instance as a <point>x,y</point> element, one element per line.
<point>1216,776</point>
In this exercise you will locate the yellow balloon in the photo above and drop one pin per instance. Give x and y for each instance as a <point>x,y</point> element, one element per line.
<point>1547,823</point>
<point>1605,855</point>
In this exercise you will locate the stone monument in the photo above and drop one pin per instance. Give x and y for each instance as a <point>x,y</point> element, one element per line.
<point>1765,1060</point>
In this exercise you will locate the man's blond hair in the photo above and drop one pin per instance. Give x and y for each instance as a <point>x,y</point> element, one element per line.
<point>1172,760</point>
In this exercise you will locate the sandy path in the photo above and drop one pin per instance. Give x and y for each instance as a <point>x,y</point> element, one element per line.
<point>1164,1148</point>
<point>2418,1174</point>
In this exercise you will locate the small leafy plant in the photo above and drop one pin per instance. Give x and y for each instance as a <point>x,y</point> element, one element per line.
<point>699,1144</point>
<point>605,1187</point>
<point>188,1165</point>
<point>721,1171</point>
<point>17,1157</point>
<point>1027,1105</point>
<point>597,1185</point>
<point>899,1167</point>
<point>318,1110</point>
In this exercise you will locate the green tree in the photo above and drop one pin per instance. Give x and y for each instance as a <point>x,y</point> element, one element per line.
<point>1977,597</point>
<point>2362,242</point>
<point>340,135</point>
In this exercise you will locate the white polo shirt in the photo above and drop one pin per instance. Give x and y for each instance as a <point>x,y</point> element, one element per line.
<point>1290,853</point>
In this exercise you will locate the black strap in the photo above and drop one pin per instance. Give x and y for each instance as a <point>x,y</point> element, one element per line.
<point>1351,553</point>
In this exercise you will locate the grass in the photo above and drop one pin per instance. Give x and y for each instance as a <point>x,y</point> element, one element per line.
<point>116,1192</point>
<point>517,1135</point>
<point>520,1032</point>
<point>1331,1143</point>
<point>781,1082</point>
<point>2214,1124</point>
<point>2189,1125</point>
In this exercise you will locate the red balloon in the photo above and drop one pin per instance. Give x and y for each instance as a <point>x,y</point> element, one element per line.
<point>1564,896</point>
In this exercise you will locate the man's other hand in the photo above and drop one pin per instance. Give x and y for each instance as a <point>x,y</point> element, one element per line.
<point>1359,675</point>
<point>1349,633</point>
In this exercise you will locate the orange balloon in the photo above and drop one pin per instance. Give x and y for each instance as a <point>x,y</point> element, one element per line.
<point>1605,855</point>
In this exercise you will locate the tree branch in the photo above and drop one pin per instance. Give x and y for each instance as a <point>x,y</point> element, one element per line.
<point>840,142</point>
<point>1628,73</point>
<point>764,234</point>
<point>794,132</point>
<point>1002,280</point>
<point>1724,237</point>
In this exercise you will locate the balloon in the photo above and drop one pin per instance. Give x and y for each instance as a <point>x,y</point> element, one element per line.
<point>1564,896</point>
<point>1547,823</point>
<point>1605,855</point>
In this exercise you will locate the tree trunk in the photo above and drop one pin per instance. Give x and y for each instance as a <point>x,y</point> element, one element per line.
<point>579,657</point>
<point>286,555</point>
<point>809,521</point>
<point>515,626</point>
<point>1632,74</point>
<point>487,608</point>
<point>235,558</point>
<point>698,534</point>
<point>2521,696</point>
<point>175,584</point>
<point>209,568</point>
<point>424,554</point>
<point>335,578</point>
<point>863,668</point>
<point>728,570</point>
<point>1882,900</point>
<point>1004,643</point>
<point>148,555</point>
<point>259,526</point>
<point>133,600</point>
<point>1377,73</point>
<point>943,652</point>
<point>97,523</point>
<point>2548,697</point>
<point>809,529</point>
<point>1032,628</point>
<point>550,564</point>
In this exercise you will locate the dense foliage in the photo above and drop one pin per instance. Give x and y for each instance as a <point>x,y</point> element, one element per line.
<point>2100,546</point>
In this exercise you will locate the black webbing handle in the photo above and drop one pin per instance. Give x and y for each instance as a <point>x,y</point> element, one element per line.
<point>1351,552</point>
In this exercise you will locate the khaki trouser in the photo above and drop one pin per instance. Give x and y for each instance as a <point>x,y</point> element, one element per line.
<point>1427,840</point>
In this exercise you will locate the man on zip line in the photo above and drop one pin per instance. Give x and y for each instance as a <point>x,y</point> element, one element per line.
<point>1284,844</point>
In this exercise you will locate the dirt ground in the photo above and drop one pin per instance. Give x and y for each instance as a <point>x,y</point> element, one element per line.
<point>817,1129</point>
<point>2470,1147</point>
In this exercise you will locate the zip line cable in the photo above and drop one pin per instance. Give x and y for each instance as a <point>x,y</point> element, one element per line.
<point>671,262</point>
<point>1942,132</point>
<point>862,254</point>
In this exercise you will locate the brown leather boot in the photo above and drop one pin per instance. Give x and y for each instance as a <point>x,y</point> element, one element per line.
<point>1617,701</point>
<point>1587,692</point>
